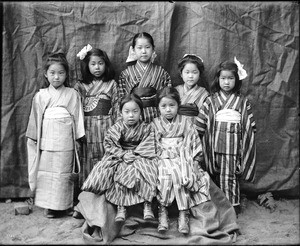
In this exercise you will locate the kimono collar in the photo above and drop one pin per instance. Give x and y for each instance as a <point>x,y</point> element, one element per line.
<point>186,90</point>
<point>141,65</point>
<point>53,90</point>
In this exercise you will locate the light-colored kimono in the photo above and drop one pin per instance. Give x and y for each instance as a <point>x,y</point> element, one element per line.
<point>55,122</point>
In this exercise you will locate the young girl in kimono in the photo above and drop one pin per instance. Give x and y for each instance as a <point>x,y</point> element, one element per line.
<point>127,172</point>
<point>55,125</point>
<point>228,127</point>
<point>98,91</point>
<point>142,76</point>
<point>179,151</point>
<point>194,89</point>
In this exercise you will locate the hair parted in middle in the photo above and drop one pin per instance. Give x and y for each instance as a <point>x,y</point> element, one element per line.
<point>143,35</point>
<point>131,97</point>
<point>169,92</point>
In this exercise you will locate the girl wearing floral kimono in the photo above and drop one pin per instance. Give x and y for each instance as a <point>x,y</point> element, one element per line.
<point>227,125</point>
<point>127,172</point>
<point>194,89</point>
<point>98,91</point>
<point>142,77</point>
<point>179,151</point>
<point>55,125</point>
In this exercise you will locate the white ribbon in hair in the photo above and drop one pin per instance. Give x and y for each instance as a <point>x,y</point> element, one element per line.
<point>81,54</point>
<point>193,55</point>
<point>241,71</point>
<point>132,56</point>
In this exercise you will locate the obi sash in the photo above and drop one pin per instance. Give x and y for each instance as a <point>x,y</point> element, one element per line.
<point>228,115</point>
<point>188,109</point>
<point>147,95</point>
<point>102,108</point>
<point>128,145</point>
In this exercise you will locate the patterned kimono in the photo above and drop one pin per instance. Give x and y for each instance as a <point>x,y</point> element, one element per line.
<point>126,184</point>
<point>55,122</point>
<point>191,100</point>
<point>145,82</point>
<point>100,111</point>
<point>229,141</point>
<point>179,176</point>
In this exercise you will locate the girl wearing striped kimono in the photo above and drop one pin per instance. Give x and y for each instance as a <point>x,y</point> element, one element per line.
<point>98,91</point>
<point>127,173</point>
<point>142,76</point>
<point>179,150</point>
<point>54,127</point>
<point>228,127</point>
<point>194,89</point>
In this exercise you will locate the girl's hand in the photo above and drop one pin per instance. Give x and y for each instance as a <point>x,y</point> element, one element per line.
<point>129,157</point>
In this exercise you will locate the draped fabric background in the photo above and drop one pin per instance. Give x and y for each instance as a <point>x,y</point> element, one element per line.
<point>263,36</point>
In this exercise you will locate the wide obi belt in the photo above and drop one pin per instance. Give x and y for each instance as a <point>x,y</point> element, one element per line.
<point>57,130</point>
<point>129,145</point>
<point>96,105</point>
<point>147,95</point>
<point>188,109</point>
<point>228,115</point>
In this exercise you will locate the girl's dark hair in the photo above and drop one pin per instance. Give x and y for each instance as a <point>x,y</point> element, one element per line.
<point>169,92</point>
<point>131,97</point>
<point>143,35</point>
<point>228,66</point>
<point>87,77</point>
<point>199,63</point>
<point>59,58</point>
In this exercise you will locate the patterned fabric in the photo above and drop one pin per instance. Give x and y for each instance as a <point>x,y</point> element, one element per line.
<point>228,138</point>
<point>95,96</point>
<point>179,175</point>
<point>139,76</point>
<point>126,184</point>
<point>55,121</point>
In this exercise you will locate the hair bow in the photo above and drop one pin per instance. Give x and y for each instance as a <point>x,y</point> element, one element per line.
<point>132,56</point>
<point>193,55</point>
<point>241,71</point>
<point>81,54</point>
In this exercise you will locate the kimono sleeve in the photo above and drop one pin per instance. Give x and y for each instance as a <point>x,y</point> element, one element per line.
<point>78,114</point>
<point>146,148</point>
<point>202,119</point>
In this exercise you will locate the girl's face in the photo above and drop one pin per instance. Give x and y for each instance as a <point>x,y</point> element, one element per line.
<point>227,81</point>
<point>143,50</point>
<point>190,75</point>
<point>168,108</point>
<point>56,75</point>
<point>96,66</point>
<point>131,113</point>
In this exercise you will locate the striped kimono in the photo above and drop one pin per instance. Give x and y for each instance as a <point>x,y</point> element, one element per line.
<point>191,100</point>
<point>229,141</point>
<point>126,184</point>
<point>179,176</point>
<point>100,112</point>
<point>55,122</point>
<point>145,82</point>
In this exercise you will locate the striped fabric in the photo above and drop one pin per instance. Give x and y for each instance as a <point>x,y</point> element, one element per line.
<point>228,138</point>
<point>96,126</point>
<point>150,76</point>
<point>178,145</point>
<point>126,184</point>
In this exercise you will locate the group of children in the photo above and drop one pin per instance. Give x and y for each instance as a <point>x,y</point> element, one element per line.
<point>140,137</point>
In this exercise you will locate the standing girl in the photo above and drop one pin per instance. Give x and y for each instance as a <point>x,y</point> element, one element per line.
<point>98,91</point>
<point>142,77</point>
<point>227,123</point>
<point>127,173</point>
<point>55,122</point>
<point>194,89</point>
<point>179,149</point>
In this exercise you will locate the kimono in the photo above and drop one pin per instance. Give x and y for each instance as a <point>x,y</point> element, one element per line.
<point>145,81</point>
<point>100,111</point>
<point>55,122</point>
<point>179,177</point>
<point>191,100</point>
<point>228,128</point>
<point>126,184</point>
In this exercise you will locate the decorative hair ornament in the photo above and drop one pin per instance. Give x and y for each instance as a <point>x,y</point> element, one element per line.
<point>81,54</point>
<point>241,71</point>
<point>193,55</point>
<point>132,56</point>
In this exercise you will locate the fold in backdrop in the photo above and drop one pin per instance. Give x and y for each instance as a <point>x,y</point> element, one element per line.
<point>263,36</point>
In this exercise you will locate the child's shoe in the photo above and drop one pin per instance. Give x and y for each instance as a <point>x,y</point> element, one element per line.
<point>183,222</point>
<point>148,214</point>
<point>121,214</point>
<point>49,213</point>
<point>163,220</point>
